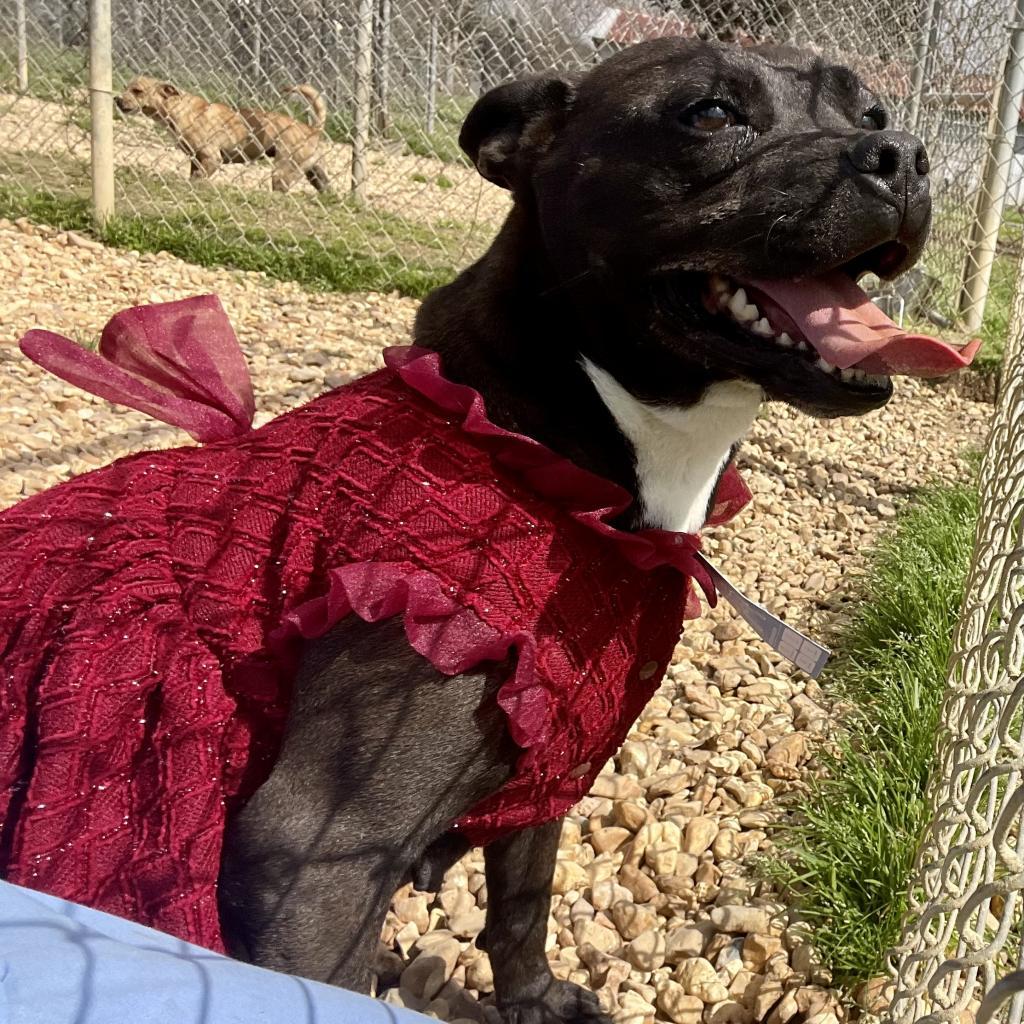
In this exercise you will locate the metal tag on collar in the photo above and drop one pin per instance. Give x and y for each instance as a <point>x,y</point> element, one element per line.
<point>802,651</point>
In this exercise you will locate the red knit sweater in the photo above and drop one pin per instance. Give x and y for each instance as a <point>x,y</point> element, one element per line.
<point>150,611</point>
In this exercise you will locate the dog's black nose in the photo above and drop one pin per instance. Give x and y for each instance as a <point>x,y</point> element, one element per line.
<point>894,162</point>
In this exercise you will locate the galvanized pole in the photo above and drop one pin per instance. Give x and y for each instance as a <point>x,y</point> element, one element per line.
<point>101,92</point>
<point>22,34</point>
<point>992,196</point>
<point>432,75</point>
<point>922,63</point>
<point>382,68</point>
<point>363,96</point>
<point>257,45</point>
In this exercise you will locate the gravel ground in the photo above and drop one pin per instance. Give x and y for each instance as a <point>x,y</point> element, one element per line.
<point>655,905</point>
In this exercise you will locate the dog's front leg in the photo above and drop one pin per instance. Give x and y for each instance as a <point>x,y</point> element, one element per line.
<point>203,163</point>
<point>519,871</point>
<point>382,753</point>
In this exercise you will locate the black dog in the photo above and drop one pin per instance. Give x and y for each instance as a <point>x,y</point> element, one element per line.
<point>605,322</point>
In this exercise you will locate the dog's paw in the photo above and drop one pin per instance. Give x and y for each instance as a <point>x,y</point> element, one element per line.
<point>561,1002</point>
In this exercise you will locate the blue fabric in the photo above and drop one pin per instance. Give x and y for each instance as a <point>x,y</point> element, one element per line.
<point>61,963</point>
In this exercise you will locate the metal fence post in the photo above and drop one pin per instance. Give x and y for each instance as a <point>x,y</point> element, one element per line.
<point>992,196</point>
<point>922,60</point>
<point>101,92</point>
<point>432,76</point>
<point>257,45</point>
<point>363,97</point>
<point>22,33</point>
<point>382,68</point>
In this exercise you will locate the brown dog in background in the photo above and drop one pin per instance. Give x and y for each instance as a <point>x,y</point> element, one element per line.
<point>214,134</point>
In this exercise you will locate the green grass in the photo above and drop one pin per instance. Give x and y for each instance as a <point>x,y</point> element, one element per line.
<point>443,142</point>
<point>409,130</point>
<point>995,327</point>
<point>324,243</point>
<point>54,75</point>
<point>946,257</point>
<point>339,127</point>
<point>844,854</point>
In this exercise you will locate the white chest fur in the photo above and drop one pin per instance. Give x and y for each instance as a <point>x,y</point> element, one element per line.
<point>680,450</point>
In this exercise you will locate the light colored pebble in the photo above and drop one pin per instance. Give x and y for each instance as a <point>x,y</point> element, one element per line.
<point>678,1005</point>
<point>699,978</point>
<point>740,919</point>
<point>647,951</point>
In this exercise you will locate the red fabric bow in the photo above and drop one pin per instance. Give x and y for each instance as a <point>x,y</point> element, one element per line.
<point>177,361</point>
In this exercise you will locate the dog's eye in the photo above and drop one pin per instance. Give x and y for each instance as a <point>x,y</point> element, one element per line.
<point>874,120</point>
<point>710,116</point>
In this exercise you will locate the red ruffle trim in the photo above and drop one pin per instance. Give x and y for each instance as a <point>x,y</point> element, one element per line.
<point>590,499</point>
<point>452,637</point>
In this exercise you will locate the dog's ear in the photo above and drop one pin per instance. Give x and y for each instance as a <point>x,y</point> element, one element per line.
<point>167,89</point>
<point>514,123</point>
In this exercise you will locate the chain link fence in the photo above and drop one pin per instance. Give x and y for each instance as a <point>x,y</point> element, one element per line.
<point>398,76</point>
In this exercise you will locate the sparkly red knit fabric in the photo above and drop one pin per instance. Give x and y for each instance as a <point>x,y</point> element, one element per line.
<point>150,611</point>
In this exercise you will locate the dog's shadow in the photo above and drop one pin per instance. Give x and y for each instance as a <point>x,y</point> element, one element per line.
<point>460,1003</point>
<point>837,491</point>
<point>112,445</point>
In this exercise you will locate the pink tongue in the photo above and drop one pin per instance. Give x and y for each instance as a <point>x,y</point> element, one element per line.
<point>849,330</point>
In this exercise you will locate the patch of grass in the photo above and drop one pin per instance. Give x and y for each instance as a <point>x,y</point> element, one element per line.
<point>995,327</point>
<point>81,118</point>
<point>54,75</point>
<point>443,142</point>
<point>323,242</point>
<point>68,212</point>
<point>845,853</point>
<point>339,126</point>
<point>946,258</point>
<point>311,263</point>
<point>409,129</point>
<point>443,182</point>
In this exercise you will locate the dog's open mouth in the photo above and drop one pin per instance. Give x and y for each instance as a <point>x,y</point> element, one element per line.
<point>830,322</point>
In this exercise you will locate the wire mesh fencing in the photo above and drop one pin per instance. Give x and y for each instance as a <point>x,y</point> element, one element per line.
<point>962,938</point>
<point>395,79</point>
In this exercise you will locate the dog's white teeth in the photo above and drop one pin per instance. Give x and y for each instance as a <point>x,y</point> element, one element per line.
<point>802,346</point>
<point>848,375</point>
<point>745,312</point>
<point>785,340</point>
<point>762,327</point>
<point>719,285</point>
<point>824,365</point>
<point>872,379</point>
<point>738,303</point>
